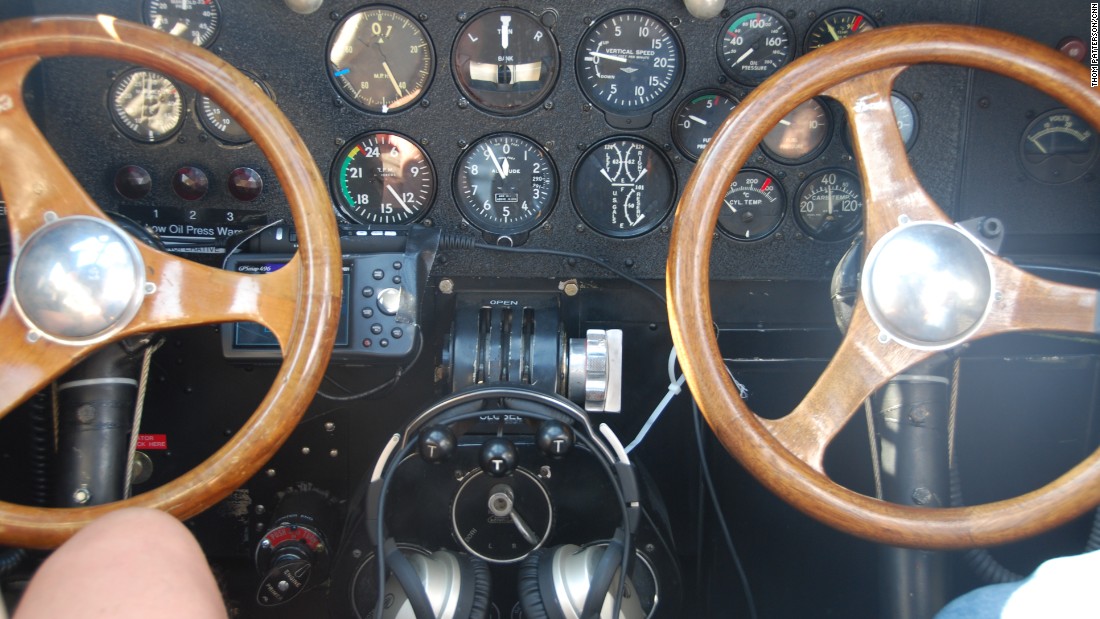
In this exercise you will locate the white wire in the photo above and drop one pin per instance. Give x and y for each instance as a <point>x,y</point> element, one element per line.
<point>674,385</point>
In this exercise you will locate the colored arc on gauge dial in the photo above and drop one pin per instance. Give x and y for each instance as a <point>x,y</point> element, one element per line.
<point>767,183</point>
<point>856,22</point>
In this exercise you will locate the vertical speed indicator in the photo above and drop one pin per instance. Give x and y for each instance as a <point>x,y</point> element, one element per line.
<point>630,64</point>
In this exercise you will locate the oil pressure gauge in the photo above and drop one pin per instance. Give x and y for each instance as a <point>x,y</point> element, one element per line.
<point>630,64</point>
<point>145,105</point>
<point>753,45</point>
<point>505,61</point>
<point>505,184</point>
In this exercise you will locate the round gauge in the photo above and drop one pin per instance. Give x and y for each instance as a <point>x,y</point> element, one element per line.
<point>146,106</point>
<point>624,187</point>
<point>220,124</point>
<point>830,205</point>
<point>505,184</point>
<point>1058,147</point>
<point>754,44</point>
<point>836,25</point>
<point>501,539</point>
<point>380,59</point>
<point>697,118</point>
<point>629,64</point>
<point>505,61</point>
<point>906,117</point>
<point>383,178</point>
<point>800,135</point>
<point>196,21</point>
<point>754,206</point>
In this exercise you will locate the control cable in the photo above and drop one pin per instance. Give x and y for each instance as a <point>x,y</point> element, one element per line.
<point>377,389</point>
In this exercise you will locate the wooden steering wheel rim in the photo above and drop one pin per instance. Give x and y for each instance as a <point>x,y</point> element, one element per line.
<point>307,316</point>
<point>746,436</point>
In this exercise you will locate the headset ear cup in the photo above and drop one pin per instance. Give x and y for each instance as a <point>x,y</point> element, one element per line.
<point>530,589</point>
<point>475,605</point>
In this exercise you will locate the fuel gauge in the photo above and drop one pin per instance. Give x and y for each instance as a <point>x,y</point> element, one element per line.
<point>1058,147</point>
<point>697,118</point>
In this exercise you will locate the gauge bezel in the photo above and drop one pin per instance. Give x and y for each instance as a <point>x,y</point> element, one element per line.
<point>846,128</point>
<point>514,233</point>
<point>849,231</point>
<point>334,179</point>
<point>354,102</point>
<point>542,94</point>
<point>633,233</point>
<point>216,133</point>
<point>632,118</point>
<point>124,128</point>
<point>217,21</point>
<point>718,45</point>
<point>674,126</point>
<point>813,153</point>
<point>782,208</point>
<point>551,519</point>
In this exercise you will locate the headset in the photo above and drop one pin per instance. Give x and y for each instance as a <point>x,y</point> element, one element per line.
<point>566,582</point>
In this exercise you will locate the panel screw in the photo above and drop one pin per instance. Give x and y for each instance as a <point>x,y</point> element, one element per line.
<point>82,495</point>
<point>330,426</point>
<point>305,451</point>
<point>270,472</point>
<point>549,105</point>
<point>922,496</point>
<point>446,286</point>
<point>334,453</point>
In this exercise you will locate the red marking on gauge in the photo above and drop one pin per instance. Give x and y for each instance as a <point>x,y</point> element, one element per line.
<point>856,22</point>
<point>767,183</point>
<point>290,533</point>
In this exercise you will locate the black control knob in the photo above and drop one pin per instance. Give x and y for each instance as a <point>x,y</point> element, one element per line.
<point>437,443</point>
<point>498,456</point>
<point>555,438</point>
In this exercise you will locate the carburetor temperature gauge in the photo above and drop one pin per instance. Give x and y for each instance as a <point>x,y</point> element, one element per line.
<point>383,178</point>
<point>830,205</point>
<point>505,184</point>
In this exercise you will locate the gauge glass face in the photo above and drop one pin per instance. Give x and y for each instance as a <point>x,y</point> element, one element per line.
<point>697,118</point>
<point>753,207</point>
<point>505,61</point>
<point>196,21</point>
<point>494,538</point>
<point>753,45</point>
<point>800,135</point>
<point>383,178</point>
<point>629,63</point>
<point>1058,147</point>
<point>624,187</point>
<point>146,106</point>
<point>837,25</point>
<point>905,115</point>
<point>220,124</point>
<point>380,59</point>
<point>505,184</point>
<point>830,205</point>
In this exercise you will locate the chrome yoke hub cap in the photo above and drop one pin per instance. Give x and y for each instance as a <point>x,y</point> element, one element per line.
<point>78,280</point>
<point>927,285</point>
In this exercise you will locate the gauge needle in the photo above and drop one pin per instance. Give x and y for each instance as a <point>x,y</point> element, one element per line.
<point>608,57</point>
<point>732,207</point>
<point>501,171</point>
<point>644,172</point>
<point>743,57</point>
<point>832,31</point>
<point>524,529</point>
<point>606,175</point>
<point>830,199</point>
<point>698,120</point>
<point>389,74</point>
<point>399,200</point>
<point>1032,139</point>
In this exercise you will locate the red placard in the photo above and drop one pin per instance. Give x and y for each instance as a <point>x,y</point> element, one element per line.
<point>152,442</point>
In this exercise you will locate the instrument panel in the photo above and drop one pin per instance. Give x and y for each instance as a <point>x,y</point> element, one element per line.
<point>603,108</point>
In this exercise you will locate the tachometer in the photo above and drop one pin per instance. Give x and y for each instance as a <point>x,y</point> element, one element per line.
<point>505,61</point>
<point>629,64</point>
<point>753,45</point>
<point>383,178</point>
<point>801,135</point>
<point>624,187</point>
<point>505,184</point>
<point>830,205</point>
<point>380,59</point>
<point>220,124</point>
